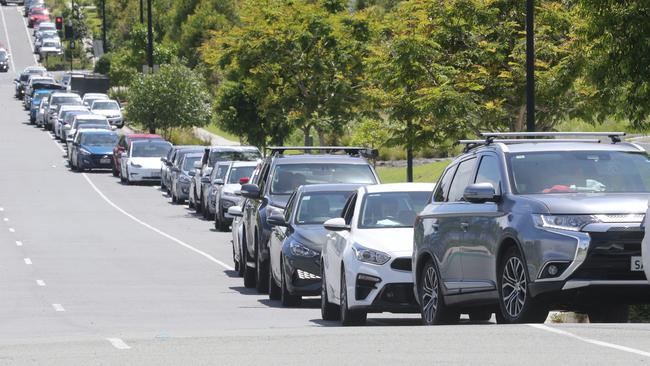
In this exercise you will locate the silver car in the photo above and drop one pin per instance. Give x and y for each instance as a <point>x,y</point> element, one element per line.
<point>183,173</point>
<point>55,101</point>
<point>225,192</point>
<point>527,226</point>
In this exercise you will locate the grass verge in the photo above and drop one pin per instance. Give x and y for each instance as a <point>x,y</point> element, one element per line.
<point>217,131</point>
<point>427,173</point>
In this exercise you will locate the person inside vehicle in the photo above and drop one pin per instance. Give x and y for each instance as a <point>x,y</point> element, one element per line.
<point>388,211</point>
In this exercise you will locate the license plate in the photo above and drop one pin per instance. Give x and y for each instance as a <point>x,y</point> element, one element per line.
<point>637,264</point>
<point>105,161</point>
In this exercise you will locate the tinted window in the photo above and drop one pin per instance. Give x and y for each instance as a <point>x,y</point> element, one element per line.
<point>461,180</point>
<point>96,139</point>
<point>188,163</point>
<point>238,172</point>
<point>105,105</point>
<point>288,177</point>
<point>488,172</point>
<point>391,209</point>
<point>220,171</point>
<point>440,194</point>
<point>317,207</point>
<point>246,155</point>
<point>150,150</point>
<point>580,171</point>
<point>66,100</point>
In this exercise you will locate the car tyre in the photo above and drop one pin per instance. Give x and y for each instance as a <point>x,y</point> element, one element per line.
<point>515,303</point>
<point>116,172</point>
<point>219,222</point>
<point>349,316</point>
<point>262,270</point>
<point>433,309</point>
<point>286,297</point>
<point>609,314</point>
<point>249,273</point>
<point>274,289</point>
<point>328,311</point>
<point>240,263</point>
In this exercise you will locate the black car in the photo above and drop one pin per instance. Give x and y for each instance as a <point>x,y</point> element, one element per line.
<point>297,239</point>
<point>280,175</point>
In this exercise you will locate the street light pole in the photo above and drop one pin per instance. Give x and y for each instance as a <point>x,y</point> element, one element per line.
<point>149,37</point>
<point>530,65</point>
<point>104,45</point>
<point>141,11</point>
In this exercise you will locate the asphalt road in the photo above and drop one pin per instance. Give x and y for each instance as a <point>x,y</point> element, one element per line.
<point>94,272</point>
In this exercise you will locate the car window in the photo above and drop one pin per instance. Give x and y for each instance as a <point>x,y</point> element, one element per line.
<point>97,139</point>
<point>150,149</point>
<point>188,162</point>
<point>288,177</point>
<point>105,105</point>
<point>289,209</point>
<point>315,208</point>
<point>461,180</point>
<point>243,155</point>
<point>219,172</point>
<point>489,172</point>
<point>440,195</point>
<point>391,209</point>
<point>348,210</point>
<point>238,172</point>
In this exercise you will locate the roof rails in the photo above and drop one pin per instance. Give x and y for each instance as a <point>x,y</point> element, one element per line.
<point>539,137</point>
<point>350,150</point>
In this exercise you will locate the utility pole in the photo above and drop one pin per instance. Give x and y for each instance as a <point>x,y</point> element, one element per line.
<point>104,44</point>
<point>530,65</point>
<point>149,37</point>
<point>141,11</point>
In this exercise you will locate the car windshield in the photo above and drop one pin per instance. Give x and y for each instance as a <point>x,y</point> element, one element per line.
<point>580,171</point>
<point>3,56</point>
<point>150,149</point>
<point>99,139</point>
<point>50,44</point>
<point>188,163</point>
<point>81,122</point>
<point>288,177</point>
<point>238,172</point>
<point>315,208</point>
<point>391,209</point>
<point>106,105</point>
<point>39,12</point>
<point>66,100</point>
<point>245,155</point>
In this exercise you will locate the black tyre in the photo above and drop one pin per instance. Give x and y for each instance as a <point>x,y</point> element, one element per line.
<point>220,223</point>
<point>262,271</point>
<point>249,273</point>
<point>349,316</point>
<point>480,315</point>
<point>328,311</point>
<point>274,289</point>
<point>286,297</point>
<point>116,173</point>
<point>240,263</point>
<point>609,314</point>
<point>515,303</point>
<point>432,302</point>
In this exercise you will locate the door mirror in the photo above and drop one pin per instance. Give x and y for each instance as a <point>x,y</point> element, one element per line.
<point>163,159</point>
<point>336,224</point>
<point>205,179</point>
<point>244,180</point>
<point>250,190</point>
<point>234,211</point>
<point>218,181</point>
<point>113,127</point>
<point>480,193</point>
<point>175,169</point>
<point>67,127</point>
<point>191,173</point>
<point>197,165</point>
<point>276,220</point>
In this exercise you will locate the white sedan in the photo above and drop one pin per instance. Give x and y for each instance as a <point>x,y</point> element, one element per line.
<point>366,262</point>
<point>142,162</point>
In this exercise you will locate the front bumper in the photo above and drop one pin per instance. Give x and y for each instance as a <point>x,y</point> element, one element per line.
<point>96,161</point>
<point>303,274</point>
<point>182,190</point>
<point>143,174</point>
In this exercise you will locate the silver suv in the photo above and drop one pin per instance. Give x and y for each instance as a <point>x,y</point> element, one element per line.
<point>521,226</point>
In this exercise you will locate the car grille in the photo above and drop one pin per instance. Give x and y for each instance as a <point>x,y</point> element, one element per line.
<point>402,264</point>
<point>609,256</point>
<point>98,158</point>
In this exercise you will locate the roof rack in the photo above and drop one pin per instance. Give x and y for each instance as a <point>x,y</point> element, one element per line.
<point>534,137</point>
<point>350,150</point>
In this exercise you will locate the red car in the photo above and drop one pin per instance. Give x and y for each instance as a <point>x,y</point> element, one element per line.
<point>37,15</point>
<point>123,145</point>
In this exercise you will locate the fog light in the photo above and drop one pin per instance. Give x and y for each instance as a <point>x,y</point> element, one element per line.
<point>552,270</point>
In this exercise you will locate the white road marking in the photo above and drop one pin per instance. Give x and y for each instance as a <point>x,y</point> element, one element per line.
<point>27,261</point>
<point>2,209</point>
<point>4,24</point>
<point>29,38</point>
<point>5,219</point>
<point>40,283</point>
<point>58,307</point>
<point>19,243</point>
<point>175,240</point>
<point>118,343</point>
<point>12,230</point>
<point>591,341</point>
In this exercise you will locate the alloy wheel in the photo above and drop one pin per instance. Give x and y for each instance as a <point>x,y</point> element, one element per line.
<point>430,295</point>
<point>514,286</point>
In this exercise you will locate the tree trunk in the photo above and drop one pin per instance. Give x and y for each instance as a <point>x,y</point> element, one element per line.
<point>307,131</point>
<point>409,152</point>
<point>321,137</point>
<point>519,124</point>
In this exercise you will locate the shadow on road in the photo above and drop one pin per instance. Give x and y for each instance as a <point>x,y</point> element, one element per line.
<point>243,290</point>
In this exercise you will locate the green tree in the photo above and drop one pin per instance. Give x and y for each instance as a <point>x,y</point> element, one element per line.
<point>173,97</point>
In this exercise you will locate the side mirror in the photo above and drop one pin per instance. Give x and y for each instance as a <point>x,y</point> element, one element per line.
<point>191,173</point>
<point>276,220</point>
<point>336,224</point>
<point>237,193</point>
<point>163,159</point>
<point>235,211</point>
<point>480,193</point>
<point>67,127</point>
<point>175,169</point>
<point>205,179</point>
<point>197,165</point>
<point>219,182</point>
<point>113,127</point>
<point>244,180</point>
<point>250,190</point>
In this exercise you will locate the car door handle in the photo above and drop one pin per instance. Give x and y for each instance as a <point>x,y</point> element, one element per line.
<point>464,226</point>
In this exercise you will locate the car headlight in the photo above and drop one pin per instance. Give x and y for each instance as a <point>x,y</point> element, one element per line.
<point>300,250</point>
<point>230,195</point>
<point>564,222</point>
<point>83,151</point>
<point>227,204</point>
<point>366,255</point>
<point>274,210</point>
<point>135,165</point>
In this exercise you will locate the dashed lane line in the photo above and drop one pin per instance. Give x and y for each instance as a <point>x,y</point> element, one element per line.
<point>19,243</point>
<point>58,307</point>
<point>29,38</point>
<point>40,283</point>
<point>118,343</point>
<point>27,261</point>
<point>4,24</point>
<point>591,341</point>
<point>12,230</point>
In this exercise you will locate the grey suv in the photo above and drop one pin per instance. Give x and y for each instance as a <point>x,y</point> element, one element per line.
<point>522,226</point>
